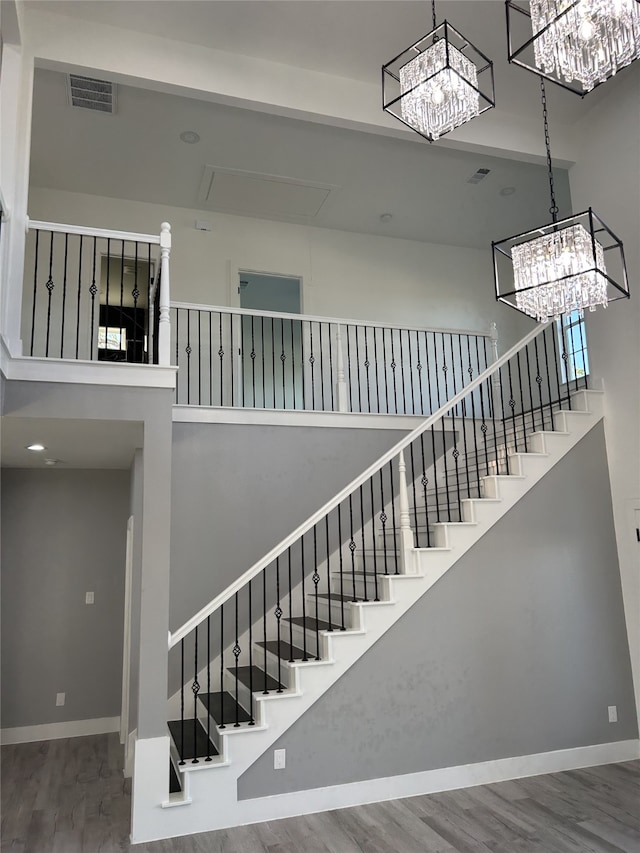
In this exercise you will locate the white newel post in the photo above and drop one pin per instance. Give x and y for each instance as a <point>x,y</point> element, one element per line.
<point>341,385</point>
<point>406,534</point>
<point>164,324</point>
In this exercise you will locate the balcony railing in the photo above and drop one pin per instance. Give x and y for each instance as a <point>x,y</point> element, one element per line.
<point>95,294</point>
<point>267,360</point>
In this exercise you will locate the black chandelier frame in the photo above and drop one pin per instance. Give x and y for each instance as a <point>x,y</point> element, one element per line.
<point>392,96</point>
<point>515,54</point>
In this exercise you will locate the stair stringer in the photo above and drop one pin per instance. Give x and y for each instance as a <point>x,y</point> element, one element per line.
<point>210,790</point>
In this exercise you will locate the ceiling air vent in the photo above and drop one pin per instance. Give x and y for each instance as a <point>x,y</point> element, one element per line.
<point>91,94</point>
<point>478,176</point>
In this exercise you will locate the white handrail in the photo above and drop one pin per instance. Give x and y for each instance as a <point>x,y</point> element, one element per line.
<point>128,236</point>
<point>341,321</point>
<point>237,585</point>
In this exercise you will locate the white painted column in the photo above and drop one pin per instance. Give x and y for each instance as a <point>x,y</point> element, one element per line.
<point>164,325</point>
<point>341,385</point>
<point>407,543</point>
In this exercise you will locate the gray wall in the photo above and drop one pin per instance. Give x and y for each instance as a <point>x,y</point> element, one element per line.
<point>239,490</point>
<point>519,649</point>
<point>63,534</point>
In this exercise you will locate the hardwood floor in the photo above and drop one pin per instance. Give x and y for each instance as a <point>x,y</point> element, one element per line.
<point>69,796</point>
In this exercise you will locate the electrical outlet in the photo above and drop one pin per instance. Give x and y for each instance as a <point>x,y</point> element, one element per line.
<point>89,599</point>
<point>60,699</point>
<point>279,759</point>
<point>613,713</point>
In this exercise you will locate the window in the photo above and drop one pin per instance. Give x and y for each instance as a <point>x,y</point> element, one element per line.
<point>572,337</point>
<point>110,338</point>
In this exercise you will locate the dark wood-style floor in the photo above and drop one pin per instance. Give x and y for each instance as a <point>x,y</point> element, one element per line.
<point>69,796</point>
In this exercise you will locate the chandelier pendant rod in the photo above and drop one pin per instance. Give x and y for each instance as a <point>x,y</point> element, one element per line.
<point>553,210</point>
<point>433,13</point>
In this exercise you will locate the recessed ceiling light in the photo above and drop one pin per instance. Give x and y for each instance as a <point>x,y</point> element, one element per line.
<point>386,217</point>
<point>190,137</point>
<point>51,461</point>
<point>507,190</point>
<point>37,448</point>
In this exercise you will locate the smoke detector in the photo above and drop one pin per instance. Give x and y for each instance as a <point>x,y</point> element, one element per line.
<point>91,94</point>
<point>478,176</point>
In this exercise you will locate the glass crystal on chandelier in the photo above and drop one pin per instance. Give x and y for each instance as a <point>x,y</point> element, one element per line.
<point>559,269</point>
<point>590,42</point>
<point>443,96</point>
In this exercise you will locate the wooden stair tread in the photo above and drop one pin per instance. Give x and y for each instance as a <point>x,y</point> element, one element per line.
<point>256,679</point>
<point>310,623</point>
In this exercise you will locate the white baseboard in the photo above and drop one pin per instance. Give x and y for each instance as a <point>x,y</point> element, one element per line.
<point>55,731</point>
<point>433,781</point>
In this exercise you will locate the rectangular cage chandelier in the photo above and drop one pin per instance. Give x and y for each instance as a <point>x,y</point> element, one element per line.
<point>577,44</point>
<point>569,265</point>
<point>438,83</point>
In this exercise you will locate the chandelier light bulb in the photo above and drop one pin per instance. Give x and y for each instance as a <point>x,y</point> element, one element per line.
<point>587,30</point>
<point>437,96</point>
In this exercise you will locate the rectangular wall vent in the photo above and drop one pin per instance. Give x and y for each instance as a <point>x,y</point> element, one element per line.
<point>91,94</point>
<point>478,176</point>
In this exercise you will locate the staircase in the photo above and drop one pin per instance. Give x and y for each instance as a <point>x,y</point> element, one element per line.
<point>256,658</point>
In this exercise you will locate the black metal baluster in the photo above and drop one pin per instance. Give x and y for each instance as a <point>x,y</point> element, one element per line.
<point>548,373</point>
<point>283,358</point>
<point>64,292</point>
<point>278,612</point>
<point>502,418</point>
<point>524,422</point>
<point>35,292</point>
<point>565,366</point>
<point>539,381</point>
<point>221,358</point>
<point>208,758</point>
<point>177,354</point>
<point>419,369</point>
<point>512,406</point>
<point>435,472</point>
<point>320,327</point>
<point>264,625</point>
<point>312,362</point>
<point>222,691</point>
<point>188,352</point>
<point>135,293</point>
<point>49,285</point>
<point>232,358</point>
<point>366,367</point>
<point>428,367</point>
<point>415,502</point>
<point>93,290</point>
<point>445,370</point>
<point>121,287</point>
<point>243,378</point>
<point>150,324</point>
<point>293,367</point>
<point>253,362</point>
<point>79,295</point>
<point>290,610</point>
<point>199,357</point>
<point>455,452</point>
<point>413,396</point>
<point>402,376</point>
<point>425,482</point>
<point>376,367</point>
<point>383,522</point>
<point>236,653</point>
<point>304,603</point>
<point>583,349</point>
<point>328,552</point>
<point>393,519</point>
<point>530,386</point>
<point>473,417</point>
<point>347,328</point>
<point>331,377</point>
<point>483,426</point>
<point>315,577</point>
<point>210,358</point>
<point>393,370</point>
<point>341,562</point>
<point>182,677</point>
<point>252,719</point>
<point>386,376</point>
<point>463,415</point>
<point>364,556</point>
<point>352,548</point>
<point>273,361</point>
<point>304,372</point>
<point>358,366</point>
<point>264,379</point>
<point>373,543</point>
<point>195,688</point>
<point>492,407</point>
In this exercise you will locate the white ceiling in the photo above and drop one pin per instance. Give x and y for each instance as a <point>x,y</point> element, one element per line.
<point>75,443</point>
<point>137,154</point>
